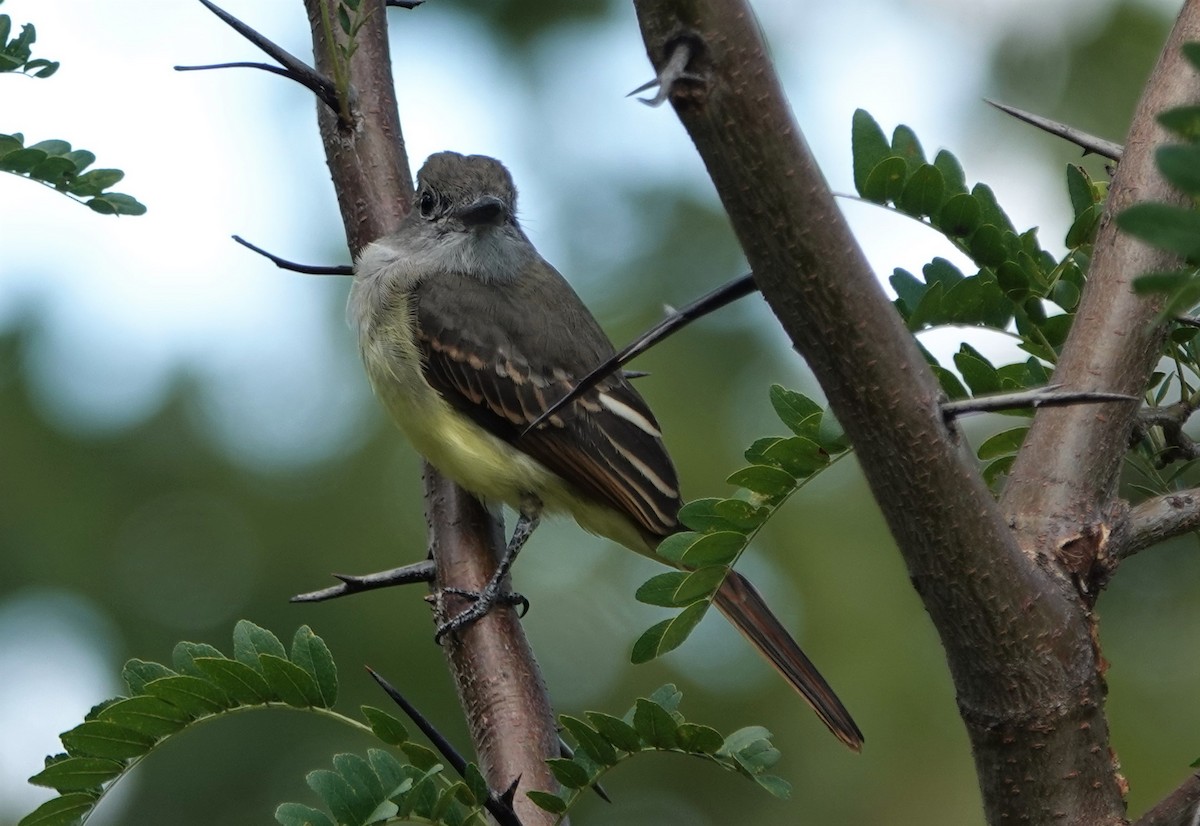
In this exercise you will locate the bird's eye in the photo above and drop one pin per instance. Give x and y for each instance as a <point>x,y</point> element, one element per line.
<point>427,204</point>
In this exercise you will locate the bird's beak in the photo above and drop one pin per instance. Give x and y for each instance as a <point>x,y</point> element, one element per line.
<point>487,209</point>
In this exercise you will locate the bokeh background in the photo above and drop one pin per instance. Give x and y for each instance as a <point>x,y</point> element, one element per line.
<point>187,438</point>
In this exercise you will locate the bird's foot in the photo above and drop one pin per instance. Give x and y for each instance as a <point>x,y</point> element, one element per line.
<point>481,603</point>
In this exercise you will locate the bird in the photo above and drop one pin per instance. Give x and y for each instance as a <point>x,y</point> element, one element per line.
<point>468,335</point>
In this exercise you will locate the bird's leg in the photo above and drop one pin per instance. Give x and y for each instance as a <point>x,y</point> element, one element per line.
<point>530,515</point>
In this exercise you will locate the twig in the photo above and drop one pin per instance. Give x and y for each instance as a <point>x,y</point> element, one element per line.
<point>1157,520</point>
<point>727,293</point>
<point>1089,143</point>
<point>1048,396</point>
<point>1179,808</point>
<point>284,264</point>
<point>503,813</point>
<point>350,584</point>
<point>293,67</point>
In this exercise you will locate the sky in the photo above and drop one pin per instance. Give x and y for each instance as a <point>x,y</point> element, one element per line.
<point>236,151</point>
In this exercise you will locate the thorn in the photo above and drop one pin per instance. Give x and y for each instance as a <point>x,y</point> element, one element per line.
<point>351,584</point>
<point>284,264</point>
<point>293,67</point>
<point>1048,396</point>
<point>1089,143</point>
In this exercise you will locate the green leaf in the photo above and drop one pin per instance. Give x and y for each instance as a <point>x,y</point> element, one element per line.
<point>645,648</point>
<point>799,456</point>
<point>568,773</point>
<point>1079,187</point>
<point>391,772</point>
<point>743,516</point>
<point>338,796</point>
<point>711,515</point>
<point>290,683</point>
<point>886,181</point>
<point>386,727</point>
<point>977,372</point>
<point>424,759</point>
<point>22,161</point>
<point>343,19</point>
<point>719,548</point>
<point>1191,52</point>
<point>699,739</point>
<point>590,741</point>
<point>776,786</point>
<point>668,696</point>
<point>94,182</point>
<point>701,584</point>
<point>909,289</point>
<point>547,802</point>
<point>674,546</point>
<point>771,483</point>
<point>312,654</point>
<point>906,145</point>
<point>243,684</point>
<point>149,716</point>
<point>991,211</point>
<point>194,695</point>
<point>137,673</point>
<point>476,784</point>
<point>1003,444</point>
<point>616,731</point>
<point>960,216</point>
<point>987,246</point>
<point>117,203</point>
<point>660,589</point>
<point>1184,121</point>
<point>1066,295</point>
<point>751,747</point>
<point>102,738</point>
<point>296,814</point>
<point>1180,164</point>
<point>249,641</point>
<point>364,783</point>
<point>77,774</point>
<point>680,627</point>
<point>798,412</point>
<point>67,810</point>
<point>868,146</point>
<point>1083,229</point>
<point>923,193</point>
<point>952,172</point>
<point>52,147</point>
<point>183,657</point>
<point>655,724</point>
<point>1167,227</point>
<point>701,515</point>
<point>53,170</point>
<point>997,470</point>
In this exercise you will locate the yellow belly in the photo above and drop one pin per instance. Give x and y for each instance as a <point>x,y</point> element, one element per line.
<point>466,453</point>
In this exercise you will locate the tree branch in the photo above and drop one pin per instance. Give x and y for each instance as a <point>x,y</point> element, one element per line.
<point>499,685</point>
<point>1154,521</point>
<point>1088,143</point>
<point>1180,808</point>
<point>293,67</point>
<point>1017,642</point>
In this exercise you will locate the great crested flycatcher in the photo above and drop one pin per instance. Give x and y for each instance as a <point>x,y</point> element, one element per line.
<point>468,334</point>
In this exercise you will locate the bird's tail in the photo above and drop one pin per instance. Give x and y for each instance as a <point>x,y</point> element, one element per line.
<point>740,602</point>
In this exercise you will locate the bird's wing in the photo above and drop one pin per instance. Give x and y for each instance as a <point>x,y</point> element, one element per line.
<point>606,444</point>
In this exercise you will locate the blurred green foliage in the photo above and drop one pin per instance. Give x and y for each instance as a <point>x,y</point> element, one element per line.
<point>157,529</point>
